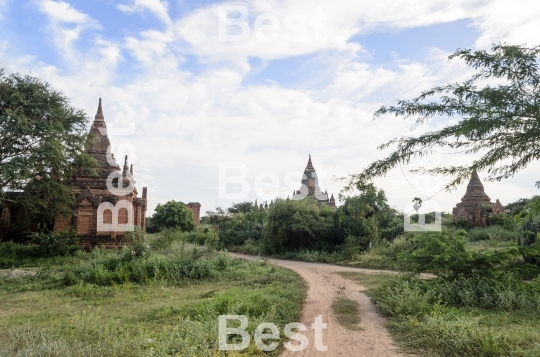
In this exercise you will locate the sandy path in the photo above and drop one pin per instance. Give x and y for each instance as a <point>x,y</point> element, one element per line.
<point>323,287</point>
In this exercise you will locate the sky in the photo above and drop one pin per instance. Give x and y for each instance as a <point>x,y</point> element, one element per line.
<point>220,102</point>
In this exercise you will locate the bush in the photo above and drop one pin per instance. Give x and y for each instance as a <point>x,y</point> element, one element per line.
<point>411,296</point>
<point>139,247</point>
<point>529,243</point>
<point>492,233</point>
<point>55,244</point>
<point>164,239</point>
<point>445,254</point>
<point>122,269</point>
<point>404,296</point>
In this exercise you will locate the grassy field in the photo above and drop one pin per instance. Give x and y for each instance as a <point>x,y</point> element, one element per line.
<point>166,303</point>
<point>427,322</point>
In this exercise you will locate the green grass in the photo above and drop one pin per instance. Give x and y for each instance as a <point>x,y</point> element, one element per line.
<point>369,281</point>
<point>429,317</point>
<point>66,311</point>
<point>346,312</point>
<point>464,317</point>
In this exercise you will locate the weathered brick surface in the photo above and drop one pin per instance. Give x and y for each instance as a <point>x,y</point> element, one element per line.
<point>195,208</point>
<point>476,206</point>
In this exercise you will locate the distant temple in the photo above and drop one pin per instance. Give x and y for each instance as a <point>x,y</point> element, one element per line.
<point>310,187</point>
<point>476,206</point>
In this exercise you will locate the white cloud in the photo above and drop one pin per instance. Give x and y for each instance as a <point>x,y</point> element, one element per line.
<point>62,12</point>
<point>159,8</point>
<point>515,22</point>
<point>152,47</point>
<point>66,25</point>
<point>187,123</point>
<point>336,23</point>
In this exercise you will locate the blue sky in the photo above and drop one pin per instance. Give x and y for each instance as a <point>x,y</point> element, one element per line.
<point>197,102</point>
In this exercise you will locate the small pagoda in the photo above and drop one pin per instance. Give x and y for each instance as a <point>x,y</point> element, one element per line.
<point>476,206</point>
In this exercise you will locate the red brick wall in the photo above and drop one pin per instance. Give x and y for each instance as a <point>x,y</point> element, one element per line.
<point>195,207</point>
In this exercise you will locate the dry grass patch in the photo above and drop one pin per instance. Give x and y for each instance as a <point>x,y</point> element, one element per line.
<point>346,312</point>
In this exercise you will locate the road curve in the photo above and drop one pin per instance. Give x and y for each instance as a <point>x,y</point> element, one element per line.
<point>373,340</point>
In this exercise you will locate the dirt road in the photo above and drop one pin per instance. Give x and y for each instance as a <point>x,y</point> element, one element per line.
<point>372,340</point>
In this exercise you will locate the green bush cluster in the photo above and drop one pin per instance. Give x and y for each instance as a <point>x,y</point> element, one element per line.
<point>55,244</point>
<point>410,296</point>
<point>462,316</point>
<point>298,226</point>
<point>127,268</point>
<point>494,233</point>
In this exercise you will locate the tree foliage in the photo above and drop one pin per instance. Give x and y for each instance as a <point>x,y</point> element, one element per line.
<point>242,207</point>
<point>295,224</point>
<point>42,140</point>
<point>446,255</point>
<point>173,215</point>
<point>500,121</point>
<point>368,217</point>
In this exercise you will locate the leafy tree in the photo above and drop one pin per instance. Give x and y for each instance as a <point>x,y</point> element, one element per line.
<point>42,140</point>
<point>216,218</point>
<point>173,215</point>
<point>295,224</point>
<point>501,120</point>
<point>241,227</point>
<point>446,255</point>
<point>368,217</point>
<point>242,207</point>
<point>516,207</point>
<point>529,241</point>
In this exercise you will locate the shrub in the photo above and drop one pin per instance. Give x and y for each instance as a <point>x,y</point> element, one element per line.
<point>164,239</point>
<point>195,237</point>
<point>55,244</point>
<point>404,296</point>
<point>445,254</point>
<point>492,233</point>
<point>122,269</point>
<point>411,296</point>
<point>139,247</point>
<point>529,243</point>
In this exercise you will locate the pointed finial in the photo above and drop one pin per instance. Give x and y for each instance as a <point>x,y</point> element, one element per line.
<point>474,174</point>
<point>125,170</point>
<point>99,114</point>
<point>309,164</point>
<point>131,169</point>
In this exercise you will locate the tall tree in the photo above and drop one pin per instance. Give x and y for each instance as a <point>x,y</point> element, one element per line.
<point>42,140</point>
<point>500,121</point>
<point>173,215</point>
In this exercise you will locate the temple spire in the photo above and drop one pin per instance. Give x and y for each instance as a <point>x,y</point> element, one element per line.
<point>131,169</point>
<point>99,115</point>
<point>309,166</point>
<point>126,168</point>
